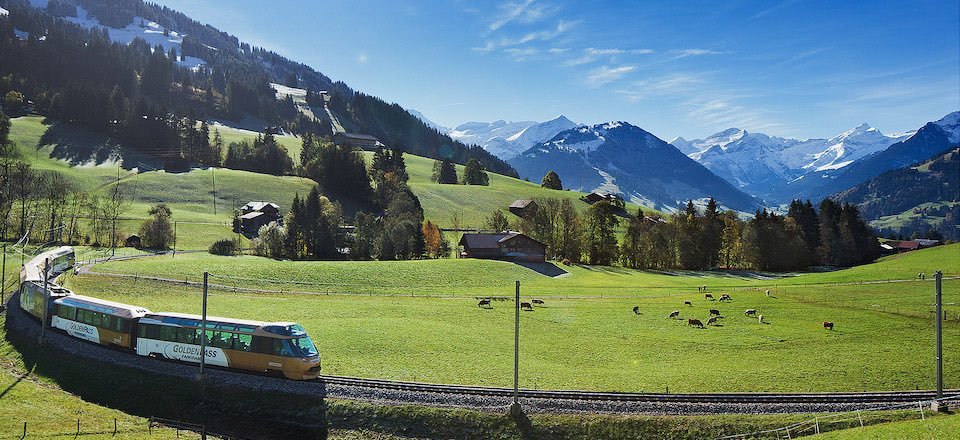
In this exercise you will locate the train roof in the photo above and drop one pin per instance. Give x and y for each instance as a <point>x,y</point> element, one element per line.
<point>103,306</point>
<point>33,269</point>
<point>54,253</point>
<point>188,320</point>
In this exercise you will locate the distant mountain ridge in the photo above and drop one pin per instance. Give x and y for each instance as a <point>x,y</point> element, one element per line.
<point>506,139</point>
<point>761,165</point>
<point>618,157</point>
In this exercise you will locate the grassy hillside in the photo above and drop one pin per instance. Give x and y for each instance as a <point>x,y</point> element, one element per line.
<point>939,427</point>
<point>586,336</point>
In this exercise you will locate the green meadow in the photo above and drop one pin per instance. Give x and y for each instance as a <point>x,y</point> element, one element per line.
<point>420,321</point>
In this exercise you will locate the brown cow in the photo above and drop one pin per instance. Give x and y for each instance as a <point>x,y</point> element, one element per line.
<point>695,323</point>
<point>827,325</point>
<point>675,314</point>
<point>714,312</point>
<point>526,306</point>
<point>484,303</point>
<point>712,320</point>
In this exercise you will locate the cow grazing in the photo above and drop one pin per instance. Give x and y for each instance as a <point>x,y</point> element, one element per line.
<point>695,323</point>
<point>484,303</point>
<point>749,312</point>
<point>688,303</point>
<point>675,314</point>
<point>538,302</point>
<point>526,306</point>
<point>712,320</point>
<point>827,325</point>
<point>725,297</point>
<point>714,312</point>
<point>708,296</point>
<point>636,310</point>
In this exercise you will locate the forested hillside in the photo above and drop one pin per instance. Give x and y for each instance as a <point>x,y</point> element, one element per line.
<point>145,94</point>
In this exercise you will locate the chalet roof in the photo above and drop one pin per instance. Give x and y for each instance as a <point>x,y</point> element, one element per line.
<point>259,206</point>
<point>490,240</point>
<point>521,203</point>
<point>358,136</point>
<point>908,245</point>
<point>251,215</point>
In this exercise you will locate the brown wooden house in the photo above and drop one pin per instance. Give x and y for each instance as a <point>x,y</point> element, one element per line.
<point>254,215</point>
<point>519,207</point>
<point>357,140</point>
<point>510,246</point>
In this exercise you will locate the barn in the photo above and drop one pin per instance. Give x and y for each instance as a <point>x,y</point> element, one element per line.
<point>357,140</point>
<point>519,207</point>
<point>253,215</point>
<point>510,246</point>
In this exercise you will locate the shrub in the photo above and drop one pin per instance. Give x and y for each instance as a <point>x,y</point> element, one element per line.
<point>224,246</point>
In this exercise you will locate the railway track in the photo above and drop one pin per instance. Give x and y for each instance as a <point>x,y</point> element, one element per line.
<point>598,396</point>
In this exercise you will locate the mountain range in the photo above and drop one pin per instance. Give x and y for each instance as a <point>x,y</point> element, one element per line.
<point>507,140</point>
<point>763,165</point>
<point>618,157</point>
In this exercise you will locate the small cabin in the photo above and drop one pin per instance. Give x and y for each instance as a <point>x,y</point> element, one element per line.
<point>520,207</point>
<point>356,140</point>
<point>510,246</point>
<point>595,197</point>
<point>133,241</point>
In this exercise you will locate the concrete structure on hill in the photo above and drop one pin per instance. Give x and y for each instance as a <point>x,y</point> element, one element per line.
<point>510,246</point>
<point>255,215</point>
<point>356,140</point>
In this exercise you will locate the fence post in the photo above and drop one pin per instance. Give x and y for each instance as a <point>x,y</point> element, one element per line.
<point>114,426</point>
<point>78,425</point>
<point>24,429</point>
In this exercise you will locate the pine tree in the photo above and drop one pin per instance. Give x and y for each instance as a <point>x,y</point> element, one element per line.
<point>444,172</point>
<point>551,181</point>
<point>601,241</point>
<point>474,174</point>
<point>711,234</point>
<point>497,221</point>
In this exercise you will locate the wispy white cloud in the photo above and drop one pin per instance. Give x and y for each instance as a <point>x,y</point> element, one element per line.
<point>557,50</point>
<point>762,13</point>
<point>592,54</point>
<point>526,11</point>
<point>606,74</point>
<point>675,84</point>
<point>683,53</point>
<point>543,35</point>
<point>520,53</point>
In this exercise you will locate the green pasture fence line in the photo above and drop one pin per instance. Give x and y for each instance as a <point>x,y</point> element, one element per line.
<point>85,427</point>
<point>846,420</point>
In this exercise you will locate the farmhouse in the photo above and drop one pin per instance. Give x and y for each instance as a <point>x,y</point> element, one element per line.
<point>595,197</point>
<point>356,140</point>
<point>912,245</point>
<point>254,215</point>
<point>511,246</point>
<point>518,207</point>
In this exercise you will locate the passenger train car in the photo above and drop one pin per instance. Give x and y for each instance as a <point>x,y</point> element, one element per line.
<point>32,280</point>
<point>282,348</point>
<point>279,347</point>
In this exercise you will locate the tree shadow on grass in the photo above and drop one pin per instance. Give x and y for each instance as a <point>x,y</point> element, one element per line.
<point>546,269</point>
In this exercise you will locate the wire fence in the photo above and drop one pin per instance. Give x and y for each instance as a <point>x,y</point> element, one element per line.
<point>100,427</point>
<point>849,419</point>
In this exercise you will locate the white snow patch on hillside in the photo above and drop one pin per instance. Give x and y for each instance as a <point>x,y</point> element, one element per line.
<point>299,96</point>
<point>150,32</point>
<point>4,12</point>
<point>951,125</point>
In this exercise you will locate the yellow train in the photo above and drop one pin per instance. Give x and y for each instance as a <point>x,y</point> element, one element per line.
<point>281,348</point>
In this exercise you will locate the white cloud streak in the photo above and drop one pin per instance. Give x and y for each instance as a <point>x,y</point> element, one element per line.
<point>606,74</point>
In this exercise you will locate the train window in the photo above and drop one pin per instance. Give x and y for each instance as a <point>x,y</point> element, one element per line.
<point>220,339</point>
<point>246,328</point>
<point>82,315</point>
<point>223,326</point>
<point>152,331</point>
<point>66,312</point>
<point>242,342</point>
<point>142,331</point>
<point>125,325</point>
<point>282,347</point>
<point>262,345</point>
<point>168,333</point>
<point>186,335</point>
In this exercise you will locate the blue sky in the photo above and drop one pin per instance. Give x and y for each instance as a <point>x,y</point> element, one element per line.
<point>681,68</point>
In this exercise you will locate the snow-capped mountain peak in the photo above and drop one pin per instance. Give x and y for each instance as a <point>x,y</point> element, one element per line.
<point>508,139</point>
<point>951,125</point>
<point>427,121</point>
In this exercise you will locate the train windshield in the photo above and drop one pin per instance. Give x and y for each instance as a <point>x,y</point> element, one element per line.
<point>305,346</point>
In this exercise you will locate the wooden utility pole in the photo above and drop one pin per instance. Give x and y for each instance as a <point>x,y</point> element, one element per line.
<point>515,407</point>
<point>939,277</point>
<point>214,176</point>
<point>174,239</point>
<point>203,326</point>
<point>46,298</point>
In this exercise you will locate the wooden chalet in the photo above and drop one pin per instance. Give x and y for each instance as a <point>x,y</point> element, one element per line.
<point>255,215</point>
<point>519,207</point>
<point>356,140</point>
<point>510,246</point>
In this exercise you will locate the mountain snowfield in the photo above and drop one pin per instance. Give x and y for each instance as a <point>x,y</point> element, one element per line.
<point>506,139</point>
<point>618,157</point>
<point>150,32</point>
<point>760,164</point>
